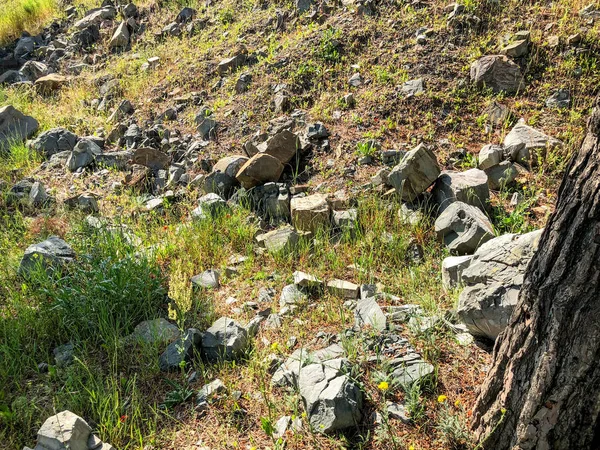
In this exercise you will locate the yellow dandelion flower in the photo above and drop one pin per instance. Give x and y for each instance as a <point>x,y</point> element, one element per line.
<point>383,386</point>
<point>442,398</point>
<point>457,403</point>
<point>411,447</point>
<point>274,346</point>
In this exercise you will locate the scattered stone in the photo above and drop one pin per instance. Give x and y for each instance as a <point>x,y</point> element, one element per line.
<point>230,165</point>
<point>399,412</point>
<point>305,280</point>
<point>349,100</point>
<point>291,296</point>
<point>38,196</point>
<point>151,158</point>
<point>186,15</point>
<point>62,431</point>
<point>343,289</point>
<point>517,49</point>
<point>493,281</point>
<point>368,312</point>
<point>225,339</point>
<point>32,70</point>
<point>181,352</point>
<point>209,390</point>
<point>560,99</point>
<point>355,80</point>
<point>452,269</point>
<point>497,73</point>
<point>15,127</point>
<point>54,141</point>
<point>415,173</point>
<point>261,168</point>
<point>209,205</point>
<point>83,154</point>
<point>282,239</point>
<point>413,87</point>
<point>64,355</point>
<point>96,16</point>
<point>120,39</point>
<point>411,368</point>
<point>526,145</point>
<point>345,220</point>
<point>410,215</point>
<point>283,146</point>
<point>310,213</point>
<point>209,279</point>
<point>155,332</point>
<point>463,228</point>
<point>231,64</point>
<point>281,426</point>
<point>470,187</point>
<point>490,156</point>
<point>53,253</point>
<point>502,175</point>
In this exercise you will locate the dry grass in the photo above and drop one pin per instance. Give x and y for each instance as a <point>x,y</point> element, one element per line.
<point>24,15</point>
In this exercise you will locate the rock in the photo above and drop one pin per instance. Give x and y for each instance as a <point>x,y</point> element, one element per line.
<point>331,399</point>
<point>452,269</point>
<point>65,430</point>
<point>399,412</point>
<point>516,49</point>
<point>129,10</point>
<point>261,168</point>
<point>243,82</point>
<point>490,156</point>
<point>497,114</point>
<point>64,355</point>
<point>124,109</point>
<point>345,220</point>
<point>415,173</point>
<point>410,370</point>
<point>51,253</point>
<point>316,130</point>
<point>283,146</point>
<point>225,339</point>
<point>281,426</point>
<point>272,201</point>
<point>303,5</point>
<point>114,160</point>
<point>560,99</point>
<point>282,239</point>
<point>305,280</point>
<point>493,281</point>
<point>155,332</point>
<point>470,187</point>
<point>38,195</point>
<point>368,312</point>
<point>151,158</point>
<point>231,64</point>
<point>291,296</point>
<point>209,279</point>
<point>48,84</point>
<point>343,289</point>
<point>413,87</point>
<point>83,154</point>
<point>209,390</point>
<point>15,127</point>
<point>32,70</point>
<point>181,352</point>
<point>120,39</point>
<point>410,215</point>
<point>526,145</point>
<point>94,442</point>
<point>355,80</point>
<point>310,213</point>
<point>207,127</point>
<point>186,15</point>
<point>87,36</point>
<point>501,175</point>
<point>230,165</point>
<point>349,100</point>
<point>219,183</point>
<point>54,141</point>
<point>12,77</point>
<point>24,48</point>
<point>96,16</point>
<point>463,228</point>
<point>209,205</point>
<point>591,11</point>
<point>497,73</point>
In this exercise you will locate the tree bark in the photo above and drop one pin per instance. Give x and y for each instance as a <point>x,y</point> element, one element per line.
<point>543,391</point>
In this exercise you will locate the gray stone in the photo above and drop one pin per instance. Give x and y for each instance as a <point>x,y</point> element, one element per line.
<point>516,49</point>
<point>123,109</point>
<point>207,127</point>
<point>498,73</point>
<point>225,339</point>
<point>415,173</point>
<point>94,442</point>
<point>15,127</point>
<point>368,312</point>
<point>282,239</point>
<point>120,38</point>
<point>463,228</point>
<point>283,146</point>
<point>54,141</point>
<point>156,331</point>
<point>410,215</point>
<point>310,213</point>
<point>64,431</point>
<point>346,220</point>
<point>281,426</point>
<point>181,352</point>
<point>51,253</point>
<point>526,145</point>
<point>114,160</point>
<point>355,80</point>
<point>259,169</point>
<point>231,64</point>
<point>151,158</point>
<point>502,175</point>
<point>305,280</point>
<point>32,70</point>
<point>497,114</point>
<point>209,390</point>
<point>38,195</point>
<point>303,5</point>
<point>96,16</point>
<point>291,296</point>
<point>12,77</point>
<point>185,15</point>
<point>490,156</point>
<point>219,183</point>
<point>86,203</point>
<point>209,205</point>
<point>452,269</point>
<point>343,289</point>
<point>560,99</point>
<point>209,279</point>
<point>399,412</point>
<point>83,154</point>
<point>470,187</point>
<point>331,399</point>
<point>230,165</point>
<point>64,355</point>
<point>413,87</point>
<point>412,371</point>
<point>493,281</point>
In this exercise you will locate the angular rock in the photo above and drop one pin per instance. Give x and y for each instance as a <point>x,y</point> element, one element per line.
<point>48,84</point>
<point>209,205</point>
<point>231,64</point>
<point>54,141</point>
<point>51,253</point>
<point>230,165</point>
<point>463,228</point>
<point>64,355</point>
<point>305,280</point>
<point>343,289</point>
<point>493,281</point>
<point>83,154</point>
<point>259,169</point>
<point>283,146</point>
<point>412,370</point>
<point>291,296</point>
<point>516,49</point>
<point>120,39</point>
<point>38,195</point>
<point>225,339</point>
<point>490,156</point>
<point>368,313</point>
<point>15,127</point>
<point>32,70</point>
<point>209,279</point>
<point>560,99</point>
<point>96,16</point>
<point>65,430</point>
<point>219,183</point>
<point>207,127</point>
<point>470,187</point>
<point>498,73</point>
<point>310,213</point>
<point>181,352</point>
<point>452,269</point>
<point>413,87</point>
<point>500,176</point>
<point>186,15</point>
<point>526,145</point>
<point>156,331</point>
<point>151,158</point>
<point>415,173</point>
<point>282,239</point>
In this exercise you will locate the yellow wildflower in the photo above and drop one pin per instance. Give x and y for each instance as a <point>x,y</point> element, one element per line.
<point>274,346</point>
<point>411,447</point>
<point>383,386</point>
<point>457,402</point>
<point>442,398</point>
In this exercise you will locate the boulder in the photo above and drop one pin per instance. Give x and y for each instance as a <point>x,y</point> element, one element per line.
<point>526,145</point>
<point>415,173</point>
<point>230,165</point>
<point>463,228</point>
<point>96,16</point>
<point>24,48</point>
<point>498,73</point>
<point>181,352</point>
<point>156,331</point>
<point>501,175</point>
<point>219,183</point>
<point>470,187</point>
<point>310,213</point>
<point>86,203</point>
<point>207,127</point>
<point>87,36</point>
<point>344,289</point>
<point>225,339</point>
<point>452,269</point>
<point>283,146</point>
<point>259,169</point>
<point>15,127</point>
<point>12,77</point>
<point>560,99</point>
<point>331,399</point>
<point>282,239</point>
<point>83,154</point>
<point>48,84</point>
<point>209,279</point>
<point>516,49</point>
<point>54,141</point>
<point>230,64</point>
<point>53,253</point>
<point>65,430</point>
<point>493,281</point>
<point>120,38</point>
<point>490,156</point>
<point>368,312</point>
<point>185,15</point>
<point>32,70</point>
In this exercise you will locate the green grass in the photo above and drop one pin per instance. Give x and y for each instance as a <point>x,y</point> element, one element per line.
<point>24,15</point>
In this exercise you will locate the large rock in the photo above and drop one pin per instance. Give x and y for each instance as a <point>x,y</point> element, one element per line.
<point>493,281</point>
<point>415,173</point>
<point>225,339</point>
<point>32,70</point>
<point>283,146</point>
<point>156,331</point>
<point>120,38</point>
<point>332,400</point>
<point>51,253</point>
<point>282,239</point>
<point>64,431</point>
<point>259,169</point>
<point>83,154</point>
<point>96,16</point>
<point>15,127</point>
<point>368,312</point>
<point>452,269</point>
<point>151,158</point>
<point>181,352</point>
<point>463,228</point>
<point>310,213</point>
<point>230,165</point>
<point>501,175</point>
<point>470,187</point>
<point>54,141</point>
<point>51,83</point>
<point>498,73</point>
<point>526,145</point>
<point>490,156</point>
<point>230,64</point>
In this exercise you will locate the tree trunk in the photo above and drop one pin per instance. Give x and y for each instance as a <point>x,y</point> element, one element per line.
<point>543,391</point>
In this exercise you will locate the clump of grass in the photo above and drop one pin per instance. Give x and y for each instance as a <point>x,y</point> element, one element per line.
<point>24,15</point>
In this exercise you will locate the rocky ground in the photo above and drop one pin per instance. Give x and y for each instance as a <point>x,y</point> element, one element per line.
<point>242,225</point>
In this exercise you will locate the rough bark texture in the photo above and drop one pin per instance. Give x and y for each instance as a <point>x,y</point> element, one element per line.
<point>543,391</point>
